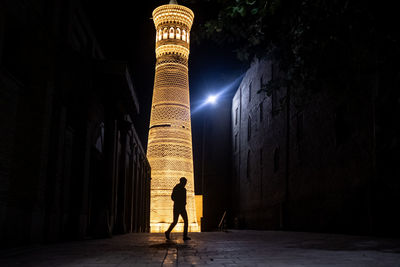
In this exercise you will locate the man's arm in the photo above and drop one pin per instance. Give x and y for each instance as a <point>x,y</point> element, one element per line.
<point>173,195</point>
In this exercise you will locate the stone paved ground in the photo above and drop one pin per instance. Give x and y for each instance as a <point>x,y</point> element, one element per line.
<point>234,248</point>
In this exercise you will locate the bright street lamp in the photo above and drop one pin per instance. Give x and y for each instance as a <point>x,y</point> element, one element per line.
<point>212,99</point>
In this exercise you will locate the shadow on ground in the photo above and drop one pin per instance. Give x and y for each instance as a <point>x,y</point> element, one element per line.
<point>169,244</point>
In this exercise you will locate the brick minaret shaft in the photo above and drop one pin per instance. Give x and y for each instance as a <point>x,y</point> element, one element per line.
<point>169,148</point>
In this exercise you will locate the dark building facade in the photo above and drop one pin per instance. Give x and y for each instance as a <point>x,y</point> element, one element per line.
<point>72,165</point>
<point>316,163</point>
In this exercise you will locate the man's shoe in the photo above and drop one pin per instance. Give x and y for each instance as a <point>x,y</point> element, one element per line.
<point>167,235</point>
<point>186,238</point>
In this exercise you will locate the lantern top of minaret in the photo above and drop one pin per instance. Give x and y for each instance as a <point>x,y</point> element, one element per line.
<point>173,13</point>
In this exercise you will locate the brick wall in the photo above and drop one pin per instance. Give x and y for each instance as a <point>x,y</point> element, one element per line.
<point>301,167</point>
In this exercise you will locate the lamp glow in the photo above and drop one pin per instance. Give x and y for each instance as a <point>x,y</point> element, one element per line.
<point>212,99</point>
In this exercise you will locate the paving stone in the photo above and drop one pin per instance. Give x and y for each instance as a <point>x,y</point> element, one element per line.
<point>234,248</point>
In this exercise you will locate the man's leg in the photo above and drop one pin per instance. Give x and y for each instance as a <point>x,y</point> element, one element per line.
<point>176,215</point>
<point>185,224</point>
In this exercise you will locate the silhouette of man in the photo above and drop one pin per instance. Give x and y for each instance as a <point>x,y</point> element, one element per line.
<point>179,197</point>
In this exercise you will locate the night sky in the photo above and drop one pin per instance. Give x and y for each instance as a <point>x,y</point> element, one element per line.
<point>126,32</point>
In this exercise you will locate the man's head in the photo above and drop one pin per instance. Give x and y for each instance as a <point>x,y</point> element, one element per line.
<point>183,181</point>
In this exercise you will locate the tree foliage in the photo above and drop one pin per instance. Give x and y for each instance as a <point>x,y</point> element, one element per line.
<point>314,40</point>
<point>350,47</point>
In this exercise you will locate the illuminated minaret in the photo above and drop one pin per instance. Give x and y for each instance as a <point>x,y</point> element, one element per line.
<point>169,148</point>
